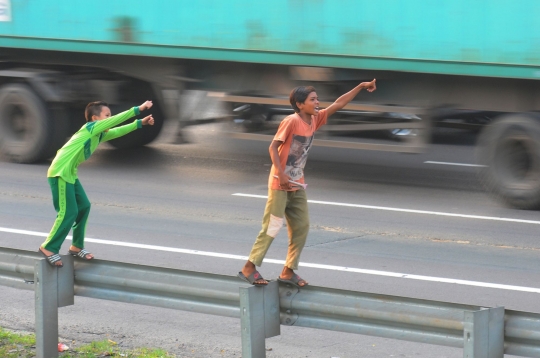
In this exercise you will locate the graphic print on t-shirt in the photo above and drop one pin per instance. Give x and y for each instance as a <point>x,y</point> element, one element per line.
<point>298,153</point>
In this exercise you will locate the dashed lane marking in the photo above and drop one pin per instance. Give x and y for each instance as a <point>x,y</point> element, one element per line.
<point>412,211</point>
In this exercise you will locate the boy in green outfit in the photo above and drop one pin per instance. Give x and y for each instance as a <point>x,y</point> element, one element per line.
<point>286,197</point>
<point>69,198</point>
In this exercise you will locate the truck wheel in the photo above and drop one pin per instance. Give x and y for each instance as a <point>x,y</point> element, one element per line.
<point>509,149</point>
<point>27,134</point>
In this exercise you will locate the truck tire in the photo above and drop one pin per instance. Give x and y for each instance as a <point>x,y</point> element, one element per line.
<point>509,149</point>
<point>27,133</point>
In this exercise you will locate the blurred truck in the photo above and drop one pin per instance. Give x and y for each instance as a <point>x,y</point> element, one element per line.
<point>457,63</point>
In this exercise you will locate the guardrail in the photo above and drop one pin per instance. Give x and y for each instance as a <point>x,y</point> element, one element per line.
<point>481,332</point>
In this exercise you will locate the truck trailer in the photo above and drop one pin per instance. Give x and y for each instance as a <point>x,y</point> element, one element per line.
<point>477,63</point>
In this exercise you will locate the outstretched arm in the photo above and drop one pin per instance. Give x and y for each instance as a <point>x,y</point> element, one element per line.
<point>105,124</point>
<point>128,128</point>
<point>347,97</point>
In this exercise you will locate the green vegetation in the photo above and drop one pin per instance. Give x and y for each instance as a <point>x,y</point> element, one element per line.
<point>15,345</point>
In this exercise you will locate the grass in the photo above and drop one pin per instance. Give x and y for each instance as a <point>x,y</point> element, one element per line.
<point>16,345</point>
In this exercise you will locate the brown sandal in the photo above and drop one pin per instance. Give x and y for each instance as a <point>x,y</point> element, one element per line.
<point>255,276</point>
<point>294,280</point>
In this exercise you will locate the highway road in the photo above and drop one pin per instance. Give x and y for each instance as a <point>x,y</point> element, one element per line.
<point>425,215</point>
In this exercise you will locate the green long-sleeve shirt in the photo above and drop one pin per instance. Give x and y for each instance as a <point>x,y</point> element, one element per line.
<point>85,141</point>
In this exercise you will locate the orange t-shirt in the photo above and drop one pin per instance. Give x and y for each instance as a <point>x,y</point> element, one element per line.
<point>297,137</point>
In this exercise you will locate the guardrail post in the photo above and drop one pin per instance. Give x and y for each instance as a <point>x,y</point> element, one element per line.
<point>483,334</point>
<point>54,288</point>
<point>272,322</point>
<point>259,318</point>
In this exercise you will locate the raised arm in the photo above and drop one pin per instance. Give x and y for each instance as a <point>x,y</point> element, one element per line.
<point>128,128</point>
<point>347,97</point>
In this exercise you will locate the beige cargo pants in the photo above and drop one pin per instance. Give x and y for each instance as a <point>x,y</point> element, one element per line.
<point>293,206</point>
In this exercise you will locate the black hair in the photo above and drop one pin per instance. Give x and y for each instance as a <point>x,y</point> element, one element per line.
<point>94,109</point>
<point>299,95</point>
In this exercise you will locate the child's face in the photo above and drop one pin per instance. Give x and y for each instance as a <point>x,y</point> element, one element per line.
<point>310,105</point>
<point>105,113</point>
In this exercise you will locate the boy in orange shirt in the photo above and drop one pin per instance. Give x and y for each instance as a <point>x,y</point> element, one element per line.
<point>286,198</point>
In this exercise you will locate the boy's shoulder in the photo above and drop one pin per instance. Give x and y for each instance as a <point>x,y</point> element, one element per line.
<point>291,118</point>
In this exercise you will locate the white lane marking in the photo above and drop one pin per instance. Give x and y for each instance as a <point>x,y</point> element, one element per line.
<point>129,244</point>
<point>458,164</point>
<point>303,264</point>
<point>521,221</point>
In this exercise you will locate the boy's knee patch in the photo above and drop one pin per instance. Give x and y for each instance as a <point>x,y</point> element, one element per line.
<point>274,226</point>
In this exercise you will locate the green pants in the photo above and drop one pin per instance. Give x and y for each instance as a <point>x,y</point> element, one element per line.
<point>292,205</point>
<point>73,208</point>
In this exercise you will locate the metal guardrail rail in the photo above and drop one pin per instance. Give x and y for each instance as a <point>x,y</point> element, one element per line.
<point>481,332</point>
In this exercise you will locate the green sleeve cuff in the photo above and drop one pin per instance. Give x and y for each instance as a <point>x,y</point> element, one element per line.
<point>137,110</point>
<point>139,123</point>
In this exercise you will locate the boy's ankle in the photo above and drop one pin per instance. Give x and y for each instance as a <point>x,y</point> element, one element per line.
<point>287,272</point>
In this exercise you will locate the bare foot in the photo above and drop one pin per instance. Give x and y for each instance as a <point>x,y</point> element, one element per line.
<point>50,253</point>
<point>287,274</point>
<point>248,269</point>
<point>88,256</point>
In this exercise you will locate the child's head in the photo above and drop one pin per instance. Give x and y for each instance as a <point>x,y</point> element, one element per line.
<point>299,95</point>
<point>96,111</point>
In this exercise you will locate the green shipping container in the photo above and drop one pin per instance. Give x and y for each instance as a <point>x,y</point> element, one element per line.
<point>481,38</point>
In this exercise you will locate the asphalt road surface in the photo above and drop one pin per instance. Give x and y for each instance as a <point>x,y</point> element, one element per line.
<point>423,214</point>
